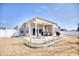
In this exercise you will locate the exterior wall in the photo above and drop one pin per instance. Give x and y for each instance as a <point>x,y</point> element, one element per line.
<point>49,28</point>
<point>56,28</point>
<point>27,30</point>
<point>8,33</point>
<point>24,30</point>
<point>38,26</point>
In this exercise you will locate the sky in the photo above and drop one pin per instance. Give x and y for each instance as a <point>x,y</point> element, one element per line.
<point>66,15</point>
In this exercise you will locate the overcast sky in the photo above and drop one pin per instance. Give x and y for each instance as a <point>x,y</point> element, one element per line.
<point>65,15</point>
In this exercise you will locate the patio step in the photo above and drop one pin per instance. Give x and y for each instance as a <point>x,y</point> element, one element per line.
<point>43,44</point>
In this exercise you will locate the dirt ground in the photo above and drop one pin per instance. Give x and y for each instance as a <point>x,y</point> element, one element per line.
<point>68,46</point>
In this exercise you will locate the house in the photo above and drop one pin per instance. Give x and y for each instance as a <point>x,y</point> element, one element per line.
<point>38,32</point>
<point>37,26</point>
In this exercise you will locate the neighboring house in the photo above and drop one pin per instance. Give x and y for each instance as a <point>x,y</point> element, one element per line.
<point>38,31</point>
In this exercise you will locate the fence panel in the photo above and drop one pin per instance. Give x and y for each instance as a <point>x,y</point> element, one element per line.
<point>8,33</point>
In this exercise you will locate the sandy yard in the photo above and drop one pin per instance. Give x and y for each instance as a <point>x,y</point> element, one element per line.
<point>68,46</point>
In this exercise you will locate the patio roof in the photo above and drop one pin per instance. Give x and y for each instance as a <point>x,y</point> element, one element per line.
<point>39,21</point>
<point>42,21</point>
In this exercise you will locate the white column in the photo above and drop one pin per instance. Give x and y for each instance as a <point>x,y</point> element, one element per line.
<point>52,30</point>
<point>43,28</point>
<point>46,28</point>
<point>30,32</point>
<point>36,28</point>
<point>30,29</point>
<point>25,30</point>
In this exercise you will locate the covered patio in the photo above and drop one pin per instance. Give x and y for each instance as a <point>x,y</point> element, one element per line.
<point>40,28</point>
<point>41,33</point>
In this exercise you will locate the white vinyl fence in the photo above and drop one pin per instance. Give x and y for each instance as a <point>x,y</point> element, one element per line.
<point>8,33</point>
<point>72,33</point>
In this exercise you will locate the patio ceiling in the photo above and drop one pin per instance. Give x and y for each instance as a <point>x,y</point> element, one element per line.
<point>39,21</point>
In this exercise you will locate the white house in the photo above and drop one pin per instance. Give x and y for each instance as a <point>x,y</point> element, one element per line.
<point>38,32</point>
<point>36,27</point>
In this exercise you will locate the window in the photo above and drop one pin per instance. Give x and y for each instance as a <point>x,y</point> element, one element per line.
<point>41,31</point>
<point>22,31</point>
<point>33,31</point>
